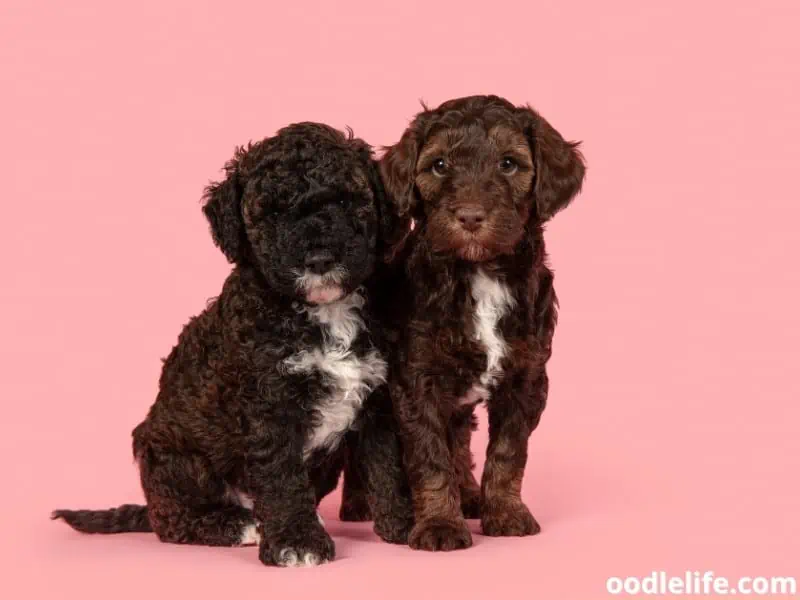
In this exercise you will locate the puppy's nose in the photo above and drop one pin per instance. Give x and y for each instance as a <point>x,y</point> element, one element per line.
<point>471,218</point>
<point>319,262</point>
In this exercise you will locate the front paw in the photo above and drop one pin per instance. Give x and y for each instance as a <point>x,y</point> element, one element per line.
<point>307,549</point>
<point>440,535</point>
<point>508,519</point>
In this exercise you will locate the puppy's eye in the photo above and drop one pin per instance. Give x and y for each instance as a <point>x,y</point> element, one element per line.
<point>439,167</point>
<point>508,165</point>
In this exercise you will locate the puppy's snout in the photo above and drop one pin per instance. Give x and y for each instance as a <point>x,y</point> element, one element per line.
<point>471,218</point>
<point>319,262</point>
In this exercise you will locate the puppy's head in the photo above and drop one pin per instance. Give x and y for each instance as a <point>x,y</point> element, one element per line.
<point>474,172</point>
<point>301,207</point>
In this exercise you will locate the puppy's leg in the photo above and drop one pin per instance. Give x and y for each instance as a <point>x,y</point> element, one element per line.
<point>434,488</point>
<point>325,473</point>
<point>514,412</point>
<point>186,503</point>
<point>462,424</point>
<point>284,500</point>
<point>355,506</point>
<point>377,460</point>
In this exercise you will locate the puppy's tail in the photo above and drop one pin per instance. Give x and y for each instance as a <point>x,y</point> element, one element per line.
<point>125,518</point>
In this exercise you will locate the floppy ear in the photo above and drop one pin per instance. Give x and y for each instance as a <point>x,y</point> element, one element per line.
<point>559,166</point>
<point>223,209</point>
<point>397,170</point>
<point>398,167</point>
<point>364,151</point>
<point>392,228</point>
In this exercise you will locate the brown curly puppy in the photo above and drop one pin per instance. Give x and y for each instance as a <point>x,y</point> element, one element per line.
<point>279,380</point>
<point>472,307</point>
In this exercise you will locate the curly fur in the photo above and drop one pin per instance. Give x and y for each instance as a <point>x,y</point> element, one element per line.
<point>469,305</point>
<point>277,383</point>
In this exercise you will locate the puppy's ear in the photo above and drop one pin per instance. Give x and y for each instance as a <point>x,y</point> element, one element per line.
<point>389,226</point>
<point>398,167</point>
<point>393,229</point>
<point>559,166</point>
<point>398,173</point>
<point>223,209</point>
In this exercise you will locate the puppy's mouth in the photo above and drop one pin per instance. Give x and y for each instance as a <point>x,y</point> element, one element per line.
<point>321,289</point>
<point>324,295</point>
<point>484,244</point>
<point>473,251</point>
<point>473,247</point>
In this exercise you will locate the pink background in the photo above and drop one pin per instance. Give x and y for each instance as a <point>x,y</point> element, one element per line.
<point>671,437</point>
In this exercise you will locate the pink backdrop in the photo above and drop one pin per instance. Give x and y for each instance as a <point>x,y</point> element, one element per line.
<point>671,437</point>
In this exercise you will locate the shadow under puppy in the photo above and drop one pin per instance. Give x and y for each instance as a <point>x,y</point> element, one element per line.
<point>279,381</point>
<point>471,305</point>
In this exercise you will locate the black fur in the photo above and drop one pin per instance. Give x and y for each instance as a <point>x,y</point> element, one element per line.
<point>249,383</point>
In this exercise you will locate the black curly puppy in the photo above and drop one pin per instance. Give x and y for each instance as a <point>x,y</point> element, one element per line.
<point>279,381</point>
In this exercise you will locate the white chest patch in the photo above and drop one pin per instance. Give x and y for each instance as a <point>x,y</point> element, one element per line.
<point>350,377</point>
<point>493,300</point>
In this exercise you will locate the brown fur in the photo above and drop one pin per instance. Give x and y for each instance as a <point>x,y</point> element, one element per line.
<point>472,209</point>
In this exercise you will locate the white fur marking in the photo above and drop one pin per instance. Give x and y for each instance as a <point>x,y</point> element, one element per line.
<point>250,536</point>
<point>321,289</point>
<point>288,557</point>
<point>236,496</point>
<point>352,377</point>
<point>245,500</point>
<point>493,300</point>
